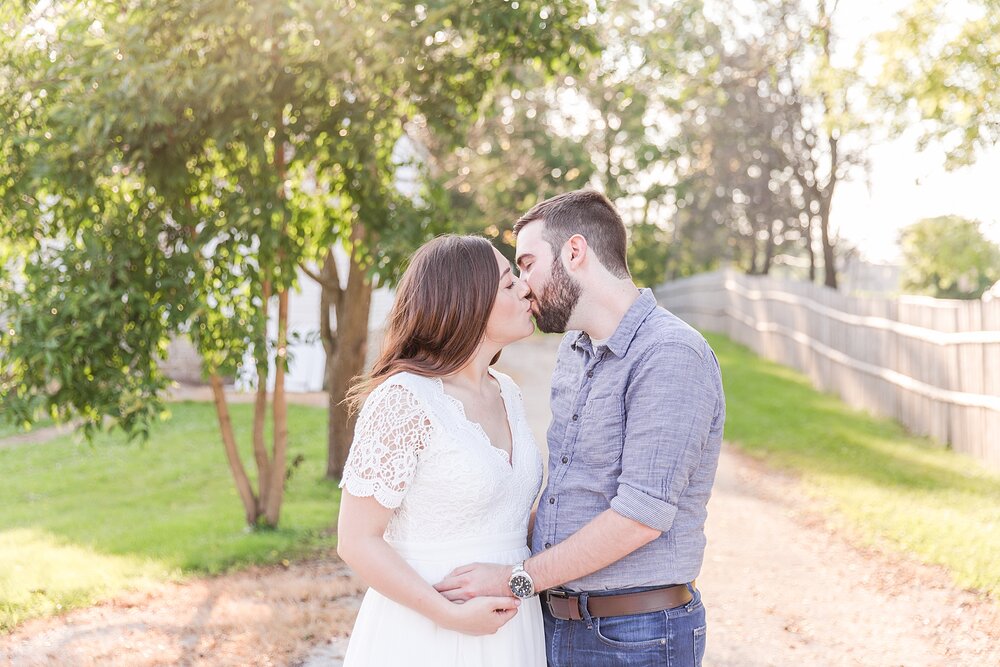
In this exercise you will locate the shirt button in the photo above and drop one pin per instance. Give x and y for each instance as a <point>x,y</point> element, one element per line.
<point>552,501</point>
<point>575,417</point>
<point>590,374</point>
<point>548,545</point>
<point>565,459</point>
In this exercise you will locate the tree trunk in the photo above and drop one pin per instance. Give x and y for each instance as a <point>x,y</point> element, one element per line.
<point>349,362</point>
<point>232,453</point>
<point>274,474</point>
<point>826,199</point>
<point>752,267</point>
<point>329,299</point>
<point>809,249</point>
<point>276,482</point>
<point>829,259</point>
<point>769,249</point>
<point>260,413</point>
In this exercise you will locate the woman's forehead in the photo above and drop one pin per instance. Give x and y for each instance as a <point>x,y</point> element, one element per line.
<point>502,262</point>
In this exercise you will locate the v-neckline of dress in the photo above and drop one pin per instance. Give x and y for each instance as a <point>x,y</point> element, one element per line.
<point>476,426</point>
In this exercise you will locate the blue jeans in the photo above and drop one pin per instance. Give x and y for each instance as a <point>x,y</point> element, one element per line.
<point>671,638</point>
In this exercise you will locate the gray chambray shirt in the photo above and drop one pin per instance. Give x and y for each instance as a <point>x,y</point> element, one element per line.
<point>637,428</point>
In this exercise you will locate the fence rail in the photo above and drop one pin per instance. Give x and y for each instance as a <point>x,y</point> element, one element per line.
<point>932,364</point>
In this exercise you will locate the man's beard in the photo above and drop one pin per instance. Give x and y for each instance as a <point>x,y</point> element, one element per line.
<point>556,302</point>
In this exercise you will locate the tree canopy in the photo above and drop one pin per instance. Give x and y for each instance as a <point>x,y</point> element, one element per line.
<point>169,165</point>
<point>939,66</point>
<point>948,257</point>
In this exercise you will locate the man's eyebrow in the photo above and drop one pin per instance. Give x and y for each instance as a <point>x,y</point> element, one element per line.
<point>520,258</point>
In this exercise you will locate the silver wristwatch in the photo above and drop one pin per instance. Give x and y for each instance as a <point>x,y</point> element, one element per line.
<point>520,582</point>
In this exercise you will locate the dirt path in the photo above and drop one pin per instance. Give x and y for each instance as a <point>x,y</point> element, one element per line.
<point>37,435</point>
<point>781,588</point>
<point>261,616</point>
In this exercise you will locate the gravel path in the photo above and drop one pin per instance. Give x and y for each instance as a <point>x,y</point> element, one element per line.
<point>35,436</point>
<point>781,586</point>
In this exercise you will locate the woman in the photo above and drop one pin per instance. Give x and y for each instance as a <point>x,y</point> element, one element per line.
<point>443,470</point>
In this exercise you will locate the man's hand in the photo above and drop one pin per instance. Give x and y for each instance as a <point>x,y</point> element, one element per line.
<point>475,580</point>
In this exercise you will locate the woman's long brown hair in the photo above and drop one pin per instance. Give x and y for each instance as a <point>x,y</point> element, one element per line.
<point>439,317</point>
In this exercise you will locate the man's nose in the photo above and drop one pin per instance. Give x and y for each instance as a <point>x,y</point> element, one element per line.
<point>522,288</point>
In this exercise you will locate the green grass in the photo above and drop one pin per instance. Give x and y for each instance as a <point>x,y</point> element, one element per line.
<point>887,485</point>
<point>81,521</point>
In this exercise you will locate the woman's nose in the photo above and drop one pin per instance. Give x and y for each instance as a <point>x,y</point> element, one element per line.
<point>523,290</point>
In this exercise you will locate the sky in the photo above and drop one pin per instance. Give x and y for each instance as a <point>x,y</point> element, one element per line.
<point>905,185</point>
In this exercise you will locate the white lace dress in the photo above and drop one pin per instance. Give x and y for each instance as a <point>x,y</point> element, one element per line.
<point>457,500</point>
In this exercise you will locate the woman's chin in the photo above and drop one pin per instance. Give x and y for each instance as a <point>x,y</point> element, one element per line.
<point>527,331</point>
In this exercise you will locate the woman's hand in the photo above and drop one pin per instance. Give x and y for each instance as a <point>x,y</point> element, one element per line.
<point>478,616</point>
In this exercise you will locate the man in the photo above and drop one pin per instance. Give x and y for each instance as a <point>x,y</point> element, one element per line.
<point>637,418</point>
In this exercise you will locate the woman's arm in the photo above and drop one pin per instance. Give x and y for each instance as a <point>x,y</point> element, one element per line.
<point>360,543</point>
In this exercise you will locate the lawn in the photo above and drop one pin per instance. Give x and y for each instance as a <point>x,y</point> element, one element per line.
<point>81,521</point>
<point>889,486</point>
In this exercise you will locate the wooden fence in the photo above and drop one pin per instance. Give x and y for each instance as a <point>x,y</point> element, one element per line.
<point>931,364</point>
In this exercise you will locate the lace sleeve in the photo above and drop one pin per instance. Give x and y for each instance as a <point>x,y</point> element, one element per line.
<point>392,429</point>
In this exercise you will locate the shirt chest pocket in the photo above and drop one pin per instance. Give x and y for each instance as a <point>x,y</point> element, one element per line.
<point>602,431</point>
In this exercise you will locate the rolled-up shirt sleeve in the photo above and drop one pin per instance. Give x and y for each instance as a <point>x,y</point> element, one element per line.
<point>670,405</point>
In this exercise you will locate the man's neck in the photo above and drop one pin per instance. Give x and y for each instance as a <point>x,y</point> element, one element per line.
<point>601,310</point>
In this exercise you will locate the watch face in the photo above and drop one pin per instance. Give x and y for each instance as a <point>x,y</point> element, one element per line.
<point>520,586</point>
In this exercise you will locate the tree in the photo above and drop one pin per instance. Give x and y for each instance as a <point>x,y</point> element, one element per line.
<point>448,66</point>
<point>154,169</point>
<point>769,126</point>
<point>948,257</point>
<point>174,163</point>
<point>620,110</point>
<point>940,66</point>
<point>736,178</point>
<point>508,161</point>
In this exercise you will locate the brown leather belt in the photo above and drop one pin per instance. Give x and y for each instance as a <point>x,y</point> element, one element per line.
<point>565,605</point>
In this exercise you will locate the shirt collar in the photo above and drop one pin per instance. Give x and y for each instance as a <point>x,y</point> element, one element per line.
<point>623,336</point>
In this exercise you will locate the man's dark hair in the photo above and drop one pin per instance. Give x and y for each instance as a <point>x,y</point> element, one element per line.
<point>590,214</point>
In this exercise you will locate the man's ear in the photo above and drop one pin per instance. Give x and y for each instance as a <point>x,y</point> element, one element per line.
<point>576,249</point>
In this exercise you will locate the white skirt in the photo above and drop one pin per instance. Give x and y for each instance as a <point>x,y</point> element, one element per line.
<point>387,633</point>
